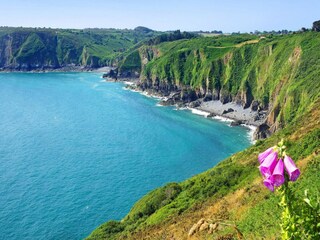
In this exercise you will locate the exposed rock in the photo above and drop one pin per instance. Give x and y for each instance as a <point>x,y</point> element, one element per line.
<point>111,74</point>
<point>184,95</point>
<point>175,96</point>
<point>200,222</point>
<point>247,98</point>
<point>201,92</point>
<point>215,94</point>
<point>167,102</point>
<point>193,230</point>
<point>236,123</point>
<point>256,118</point>
<point>195,104</point>
<point>129,74</point>
<point>204,226</point>
<point>208,97</point>
<point>229,110</point>
<point>225,97</point>
<point>262,132</point>
<point>255,105</point>
<point>213,227</point>
<point>181,105</point>
<point>211,115</point>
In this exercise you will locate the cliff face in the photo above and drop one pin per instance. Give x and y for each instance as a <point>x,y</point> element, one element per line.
<point>266,75</point>
<point>277,74</point>
<point>39,49</point>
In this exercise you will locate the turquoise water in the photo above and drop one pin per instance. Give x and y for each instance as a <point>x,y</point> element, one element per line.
<point>76,151</point>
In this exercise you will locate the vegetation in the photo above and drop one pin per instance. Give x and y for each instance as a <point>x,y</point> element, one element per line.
<point>316,26</point>
<point>40,48</point>
<point>231,191</point>
<point>279,72</point>
<point>282,73</point>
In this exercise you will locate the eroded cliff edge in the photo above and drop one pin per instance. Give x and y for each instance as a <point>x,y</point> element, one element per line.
<point>263,74</point>
<point>282,74</point>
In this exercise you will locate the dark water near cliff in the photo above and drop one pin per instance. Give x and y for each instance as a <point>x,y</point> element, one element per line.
<point>76,152</point>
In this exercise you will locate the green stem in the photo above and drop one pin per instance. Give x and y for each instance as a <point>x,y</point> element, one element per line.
<point>287,221</point>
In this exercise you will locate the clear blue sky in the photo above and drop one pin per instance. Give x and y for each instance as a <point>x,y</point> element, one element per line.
<point>225,15</point>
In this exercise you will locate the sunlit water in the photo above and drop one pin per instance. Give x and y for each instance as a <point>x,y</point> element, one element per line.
<point>76,151</point>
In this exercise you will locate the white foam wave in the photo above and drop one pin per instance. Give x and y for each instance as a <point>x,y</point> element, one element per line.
<point>180,108</point>
<point>128,83</point>
<point>222,119</point>
<point>251,132</point>
<point>145,94</point>
<point>199,112</point>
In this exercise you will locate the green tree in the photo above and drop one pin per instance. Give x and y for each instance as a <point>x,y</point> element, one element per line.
<point>316,26</point>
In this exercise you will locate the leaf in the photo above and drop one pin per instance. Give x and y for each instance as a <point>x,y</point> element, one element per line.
<point>307,200</point>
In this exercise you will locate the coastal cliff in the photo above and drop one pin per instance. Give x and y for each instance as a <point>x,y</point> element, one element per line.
<point>28,49</point>
<point>278,75</point>
<point>266,75</point>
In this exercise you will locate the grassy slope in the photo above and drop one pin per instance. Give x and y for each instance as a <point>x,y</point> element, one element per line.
<point>231,191</point>
<point>279,71</point>
<point>287,69</point>
<point>95,47</point>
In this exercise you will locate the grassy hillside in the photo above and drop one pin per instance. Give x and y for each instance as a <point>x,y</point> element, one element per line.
<point>282,73</point>
<point>36,48</point>
<point>277,72</point>
<point>230,192</point>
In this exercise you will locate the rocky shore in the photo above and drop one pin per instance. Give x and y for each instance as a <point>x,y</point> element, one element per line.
<point>252,116</point>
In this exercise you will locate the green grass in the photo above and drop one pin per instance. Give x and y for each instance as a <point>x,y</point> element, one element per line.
<point>237,172</point>
<point>281,71</point>
<point>255,224</point>
<point>88,47</point>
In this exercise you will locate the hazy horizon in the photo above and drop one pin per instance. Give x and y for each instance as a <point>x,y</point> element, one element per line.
<point>205,15</point>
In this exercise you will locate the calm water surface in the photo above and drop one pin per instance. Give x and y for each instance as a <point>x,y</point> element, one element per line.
<point>76,151</point>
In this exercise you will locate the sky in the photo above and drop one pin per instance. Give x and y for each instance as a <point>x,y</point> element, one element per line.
<point>162,15</point>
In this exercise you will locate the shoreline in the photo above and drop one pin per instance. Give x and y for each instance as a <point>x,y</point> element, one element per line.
<point>211,109</point>
<point>252,128</point>
<point>61,69</point>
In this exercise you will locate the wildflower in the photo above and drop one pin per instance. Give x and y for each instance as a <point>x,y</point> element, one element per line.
<point>291,168</point>
<point>266,153</point>
<point>272,164</point>
<point>268,165</point>
<point>278,174</point>
<point>268,182</point>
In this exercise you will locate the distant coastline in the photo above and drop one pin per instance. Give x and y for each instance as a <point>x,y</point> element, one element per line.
<point>61,69</point>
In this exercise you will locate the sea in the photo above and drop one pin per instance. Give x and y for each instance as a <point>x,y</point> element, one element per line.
<point>77,151</point>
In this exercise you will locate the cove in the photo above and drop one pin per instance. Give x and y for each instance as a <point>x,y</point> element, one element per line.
<point>76,151</point>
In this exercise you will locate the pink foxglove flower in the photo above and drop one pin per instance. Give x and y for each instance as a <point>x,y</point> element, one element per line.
<point>278,174</point>
<point>291,168</point>
<point>266,153</point>
<point>268,182</point>
<point>268,165</point>
<point>272,164</point>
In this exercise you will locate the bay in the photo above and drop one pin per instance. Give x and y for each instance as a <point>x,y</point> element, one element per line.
<point>76,151</point>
